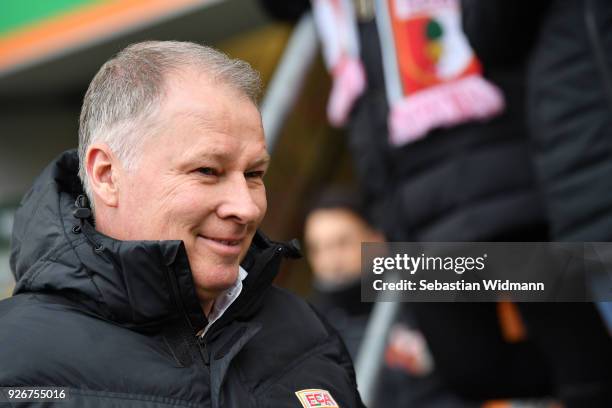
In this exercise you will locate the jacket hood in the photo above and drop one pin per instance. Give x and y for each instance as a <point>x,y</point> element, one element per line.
<point>133,283</point>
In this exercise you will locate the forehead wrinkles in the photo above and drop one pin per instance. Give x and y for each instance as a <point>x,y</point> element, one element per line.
<point>201,120</point>
<point>195,87</point>
<point>240,146</point>
<point>223,117</point>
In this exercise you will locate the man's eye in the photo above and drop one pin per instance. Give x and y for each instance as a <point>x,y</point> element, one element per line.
<point>254,174</point>
<point>207,171</point>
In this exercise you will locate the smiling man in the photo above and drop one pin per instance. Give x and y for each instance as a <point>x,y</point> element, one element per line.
<point>142,279</point>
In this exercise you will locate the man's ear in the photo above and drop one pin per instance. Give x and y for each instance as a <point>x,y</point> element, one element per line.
<point>103,170</point>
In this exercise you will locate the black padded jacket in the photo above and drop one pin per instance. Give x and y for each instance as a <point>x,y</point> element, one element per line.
<point>569,101</point>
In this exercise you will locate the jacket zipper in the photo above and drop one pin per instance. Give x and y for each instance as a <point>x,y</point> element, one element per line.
<point>202,349</point>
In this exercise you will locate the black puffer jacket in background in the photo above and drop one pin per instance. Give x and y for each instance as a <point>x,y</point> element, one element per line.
<point>569,100</point>
<point>116,321</point>
<point>570,107</point>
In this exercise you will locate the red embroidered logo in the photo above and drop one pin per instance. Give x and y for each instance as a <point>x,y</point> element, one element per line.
<point>316,398</point>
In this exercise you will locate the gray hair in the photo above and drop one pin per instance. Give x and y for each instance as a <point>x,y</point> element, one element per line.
<point>127,91</point>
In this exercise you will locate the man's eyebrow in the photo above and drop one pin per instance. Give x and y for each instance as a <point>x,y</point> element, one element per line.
<point>264,160</point>
<point>204,156</point>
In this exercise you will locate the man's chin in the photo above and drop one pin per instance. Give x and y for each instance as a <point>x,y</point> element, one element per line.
<point>214,279</point>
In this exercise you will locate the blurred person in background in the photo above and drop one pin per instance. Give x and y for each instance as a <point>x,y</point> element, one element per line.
<point>334,229</point>
<point>443,152</point>
<point>141,277</point>
<point>336,224</point>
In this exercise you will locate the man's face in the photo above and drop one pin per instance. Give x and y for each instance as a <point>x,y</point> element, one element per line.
<point>333,239</point>
<point>200,179</point>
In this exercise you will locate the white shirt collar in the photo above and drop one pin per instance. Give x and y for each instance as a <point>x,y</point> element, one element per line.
<point>224,300</point>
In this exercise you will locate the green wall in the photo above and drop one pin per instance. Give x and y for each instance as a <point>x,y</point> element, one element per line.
<point>16,14</point>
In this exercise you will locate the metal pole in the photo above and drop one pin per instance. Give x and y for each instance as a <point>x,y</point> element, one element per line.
<point>370,357</point>
<point>288,79</point>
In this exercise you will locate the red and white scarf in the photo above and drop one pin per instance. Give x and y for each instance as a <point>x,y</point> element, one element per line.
<point>432,77</point>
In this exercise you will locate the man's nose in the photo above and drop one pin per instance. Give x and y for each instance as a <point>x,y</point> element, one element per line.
<point>239,201</point>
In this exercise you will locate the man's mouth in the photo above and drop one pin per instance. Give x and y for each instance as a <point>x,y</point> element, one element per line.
<point>229,242</point>
<point>224,245</point>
